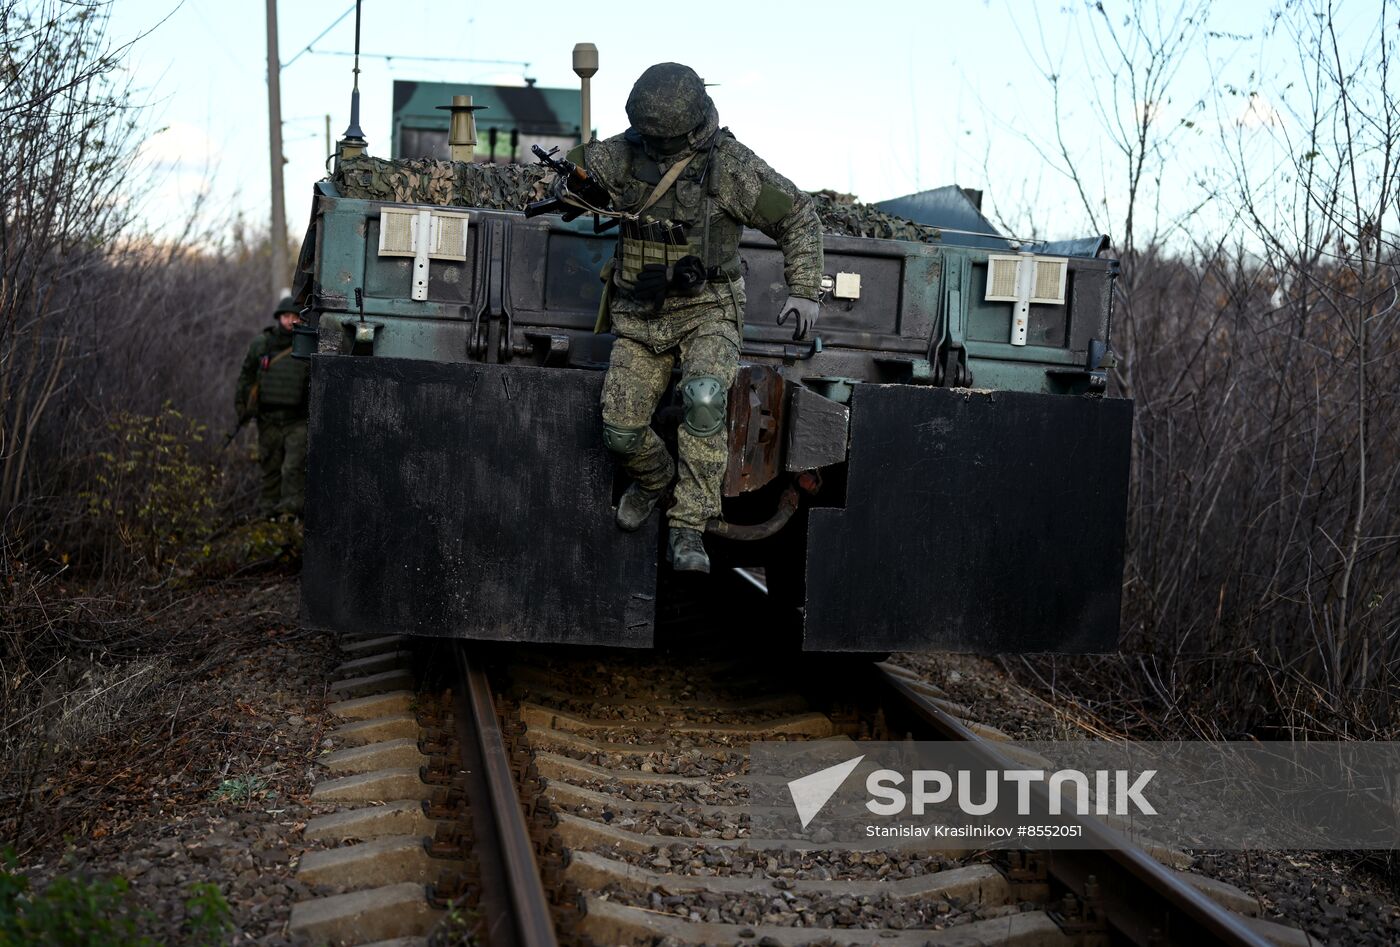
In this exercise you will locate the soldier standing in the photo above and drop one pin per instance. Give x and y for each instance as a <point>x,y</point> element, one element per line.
<point>675,287</point>
<point>273,388</point>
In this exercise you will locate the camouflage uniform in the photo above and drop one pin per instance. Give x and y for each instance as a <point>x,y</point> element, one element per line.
<point>724,188</point>
<point>280,407</point>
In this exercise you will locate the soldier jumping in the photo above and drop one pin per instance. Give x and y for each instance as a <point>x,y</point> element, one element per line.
<point>686,188</point>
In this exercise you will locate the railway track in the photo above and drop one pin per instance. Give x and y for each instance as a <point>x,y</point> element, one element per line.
<point>546,798</point>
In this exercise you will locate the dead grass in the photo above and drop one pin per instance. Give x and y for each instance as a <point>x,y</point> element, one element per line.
<point>101,695</point>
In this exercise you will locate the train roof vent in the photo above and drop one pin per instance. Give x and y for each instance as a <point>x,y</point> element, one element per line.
<point>396,232</point>
<point>400,231</point>
<point>449,236</point>
<point>1001,278</point>
<point>1049,280</point>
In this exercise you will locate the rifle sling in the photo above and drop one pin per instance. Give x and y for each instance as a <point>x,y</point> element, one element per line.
<point>666,181</point>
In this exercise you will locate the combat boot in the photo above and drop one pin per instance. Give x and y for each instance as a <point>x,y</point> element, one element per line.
<point>635,506</point>
<point>687,550</point>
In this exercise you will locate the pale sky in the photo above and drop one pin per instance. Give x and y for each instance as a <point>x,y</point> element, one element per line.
<point>877,98</point>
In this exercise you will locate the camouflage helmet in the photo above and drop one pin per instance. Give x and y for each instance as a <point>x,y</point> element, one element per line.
<point>668,101</point>
<point>286,304</point>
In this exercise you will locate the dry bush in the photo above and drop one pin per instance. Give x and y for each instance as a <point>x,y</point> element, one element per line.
<point>112,480</point>
<point>146,362</point>
<point>1260,594</point>
<point>1265,524</point>
<point>1260,586</point>
<point>64,116</point>
<point>150,501</point>
<point>99,320</point>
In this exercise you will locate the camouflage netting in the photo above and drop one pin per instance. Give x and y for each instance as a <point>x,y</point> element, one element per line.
<point>447,183</point>
<point>512,186</point>
<point>843,215</point>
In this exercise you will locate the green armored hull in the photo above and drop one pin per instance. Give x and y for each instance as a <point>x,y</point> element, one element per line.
<point>941,469</point>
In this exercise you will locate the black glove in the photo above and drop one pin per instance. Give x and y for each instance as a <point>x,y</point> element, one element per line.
<point>805,311</point>
<point>650,285</point>
<point>688,276</point>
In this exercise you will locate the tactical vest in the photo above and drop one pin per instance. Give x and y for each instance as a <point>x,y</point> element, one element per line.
<point>282,382</point>
<point>686,220</point>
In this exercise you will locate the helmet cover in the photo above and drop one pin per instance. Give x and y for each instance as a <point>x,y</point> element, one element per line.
<point>668,101</point>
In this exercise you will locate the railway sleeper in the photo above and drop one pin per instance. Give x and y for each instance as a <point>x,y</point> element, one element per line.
<point>609,923</point>
<point>362,917</point>
<point>373,706</point>
<point>396,860</point>
<point>370,684</point>
<point>760,703</point>
<point>579,833</point>
<point>980,884</point>
<point>565,793</point>
<point>701,681</point>
<point>375,729</point>
<point>401,817</point>
<point>384,754</point>
<point>361,646</point>
<point>553,766</point>
<point>387,860</point>
<point>809,724</point>
<point>537,737</point>
<point>374,663</point>
<point>398,783</point>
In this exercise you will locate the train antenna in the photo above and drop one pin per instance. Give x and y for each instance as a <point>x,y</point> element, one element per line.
<point>352,143</point>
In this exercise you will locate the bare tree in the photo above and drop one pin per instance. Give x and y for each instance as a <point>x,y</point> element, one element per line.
<point>97,315</point>
<point>1333,253</point>
<point>1123,73</point>
<point>67,129</point>
<point>1261,350</point>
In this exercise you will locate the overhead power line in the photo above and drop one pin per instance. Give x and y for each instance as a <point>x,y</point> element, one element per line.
<point>393,56</point>
<point>319,36</point>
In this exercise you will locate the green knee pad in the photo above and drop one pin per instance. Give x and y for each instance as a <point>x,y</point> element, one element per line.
<point>705,400</point>
<point>623,440</point>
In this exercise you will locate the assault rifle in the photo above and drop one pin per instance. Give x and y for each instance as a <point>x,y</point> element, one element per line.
<point>242,420</point>
<point>574,180</point>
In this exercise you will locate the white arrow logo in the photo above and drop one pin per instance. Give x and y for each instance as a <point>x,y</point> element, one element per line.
<point>811,792</point>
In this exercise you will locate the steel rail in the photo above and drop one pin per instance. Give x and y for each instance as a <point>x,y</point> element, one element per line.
<point>514,902</point>
<point>1141,898</point>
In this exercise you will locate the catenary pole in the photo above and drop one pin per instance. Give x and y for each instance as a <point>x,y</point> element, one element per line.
<point>279,271</point>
